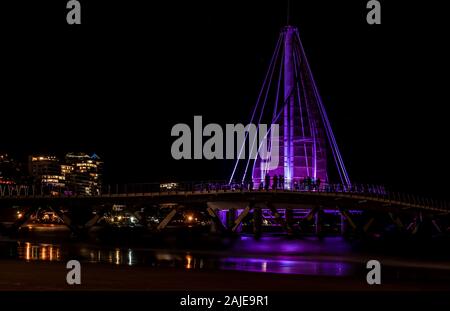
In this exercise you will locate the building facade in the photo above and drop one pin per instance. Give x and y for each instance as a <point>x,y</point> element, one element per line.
<point>83,173</point>
<point>45,171</point>
<point>10,170</point>
<point>77,174</point>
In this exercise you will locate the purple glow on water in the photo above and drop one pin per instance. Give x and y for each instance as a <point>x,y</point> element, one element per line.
<point>308,256</point>
<point>283,246</point>
<point>288,266</point>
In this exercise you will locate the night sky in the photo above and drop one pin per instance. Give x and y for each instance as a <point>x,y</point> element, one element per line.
<point>118,83</point>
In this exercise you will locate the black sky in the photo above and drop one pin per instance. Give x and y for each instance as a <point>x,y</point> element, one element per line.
<point>118,83</point>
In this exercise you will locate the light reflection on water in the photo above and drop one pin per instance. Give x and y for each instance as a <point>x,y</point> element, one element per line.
<point>245,255</point>
<point>286,266</point>
<point>44,252</point>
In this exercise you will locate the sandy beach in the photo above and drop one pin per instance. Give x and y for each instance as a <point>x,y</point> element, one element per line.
<point>44,276</point>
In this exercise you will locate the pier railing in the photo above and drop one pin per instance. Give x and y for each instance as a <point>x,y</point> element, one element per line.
<point>133,189</point>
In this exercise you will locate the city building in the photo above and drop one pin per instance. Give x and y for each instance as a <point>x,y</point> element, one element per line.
<point>10,172</point>
<point>43,165</point>
<point>45,171</point>
<point>83,173</point>
<point>76,174</point>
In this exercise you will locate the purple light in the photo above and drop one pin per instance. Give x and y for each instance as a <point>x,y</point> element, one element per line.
<point>284,265</point>
<point>306,135</point>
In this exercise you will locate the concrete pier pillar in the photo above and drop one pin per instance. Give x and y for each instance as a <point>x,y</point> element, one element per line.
<point>318,223</point>
<point>344,225</point>
<point>289,218</point>
<point>257,222</point>
<point>218,220</point>
<point>231,218</point>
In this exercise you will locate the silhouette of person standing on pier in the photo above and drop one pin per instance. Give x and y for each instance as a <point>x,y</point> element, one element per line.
<point>275,182</point>
<point>267,182</point>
